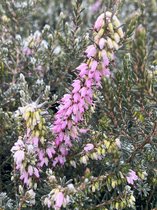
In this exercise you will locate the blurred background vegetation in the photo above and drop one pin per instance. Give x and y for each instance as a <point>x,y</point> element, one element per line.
<point>45,41</point>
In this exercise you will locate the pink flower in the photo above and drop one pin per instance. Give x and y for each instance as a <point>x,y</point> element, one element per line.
<point>67,140</point>
<point>76,85</point>
<point>102,43</point>
<point>76,97</point>
<point>60,159</point>
<point>83,91</point>
<point>99,22</point>
<point>105,59</point>
<point>24,176</point>
<point>83,130</point>
<point>106,72</point>
<point>75,108</point>
<point>35,141</point>
<point>27,51</point>
<point>90,51</point>
<point>69,111</point>
<point>88,147</point>
<point>88,82</point>
<point>63,150</point>
<point>131,177</point>
<point>36,172</point>
<point>50,151</point>
<point>19,157</point>
<point>74,132</point>
<point>59,199</point>
<point>66,97</point>
<point>82,66</point>
<point>97,76</point>
<point>83,69</point>
<point>30,170</point>
<point>94,65</point>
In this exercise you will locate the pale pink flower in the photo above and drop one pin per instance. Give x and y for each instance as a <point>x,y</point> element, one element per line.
<point>67,140</point>
<point>105,59</point>
<point>82,66</point>
<point>24,177</point>
<point>27,51</point>
<point>30,170</point>
<point>106,72</point>
<point>35,141</point>
<point>88,147</point>
<point>36,172</point>
<point>75,107</point>
<point>131,177</point>
<point>118,142</point>
<point>19,156</point>
<point>83,130</point>
<point>91,51</point>
<point>63,150</point>
<point>59,199</point>
<point>99,22</point>
<point>102,43</point>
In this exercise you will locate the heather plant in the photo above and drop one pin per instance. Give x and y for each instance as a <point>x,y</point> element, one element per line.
<point>78,104</point>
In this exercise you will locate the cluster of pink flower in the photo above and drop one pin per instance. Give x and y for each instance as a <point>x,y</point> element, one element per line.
<point>33,151</point>
<point>30,152</point>
<point>25,159</point>
<point>73,105</point>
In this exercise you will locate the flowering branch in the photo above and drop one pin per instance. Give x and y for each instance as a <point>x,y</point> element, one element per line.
<point>107,35</point>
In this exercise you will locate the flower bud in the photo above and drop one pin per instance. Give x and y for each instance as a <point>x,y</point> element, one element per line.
<point>5,19</point>
<point>115,45</point>
<point>110,27</point>
<point>109,43</point>
<point>40,126</point>
<point>71,188</point>
<point>101,32</point>
<point>42,140</point>
<point>116,22</point>
<point>37,133</point>
<point>26,115</point>
<point>110,56</point>
<point>108,14</point>
<point>21,189</point>
<point>116,37</point>
<point>120,32</point>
